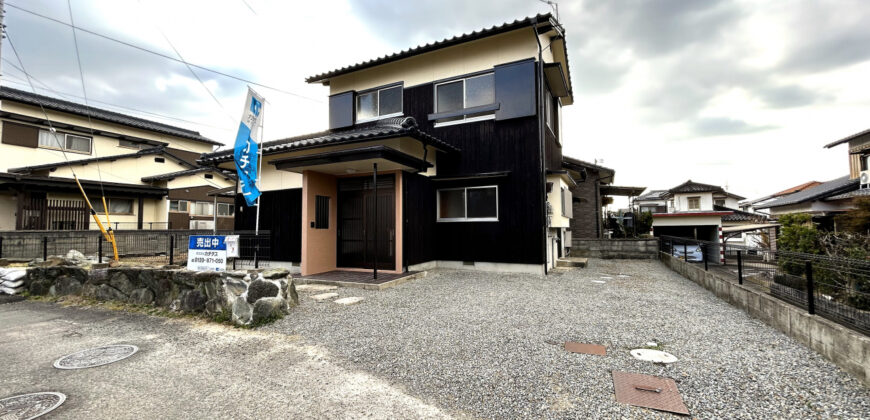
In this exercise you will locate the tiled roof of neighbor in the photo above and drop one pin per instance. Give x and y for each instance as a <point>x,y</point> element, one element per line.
<point>578,162</point>
<point>691,186</point>
<point>798,188</point>
<point>738,215</point>
<point>494,30</point>
<point>652,195</point>
<point>386,128</point>
<point>864,192</point>
<point>159,150</point>
<point>100,114</point>
<point>825,190</point>
<point>846,139</point>
<point>177,174</point>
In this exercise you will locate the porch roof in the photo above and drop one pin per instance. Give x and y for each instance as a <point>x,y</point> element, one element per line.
<point>368,154</point>
<point>621,190</point>
<point>383,129</point>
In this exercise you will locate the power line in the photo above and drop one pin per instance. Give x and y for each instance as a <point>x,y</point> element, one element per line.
<point>168,57</point>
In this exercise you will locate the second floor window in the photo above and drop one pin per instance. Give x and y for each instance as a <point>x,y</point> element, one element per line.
<point>67,142</point>
<point>203,208</point>
<point>178,206</point>
<point>225,210</point>
<point>379,103</point>
<point>470,92</point>
<point>694,203</point>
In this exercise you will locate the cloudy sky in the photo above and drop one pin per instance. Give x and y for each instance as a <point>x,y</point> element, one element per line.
<point>742,94</point>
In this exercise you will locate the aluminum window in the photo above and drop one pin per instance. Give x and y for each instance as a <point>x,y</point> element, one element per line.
<point>694,203</point>
<point>470,92</point>
<point>468,204</point>
<point>225,210</point>
<point>203,208</point>
<point>66,142</point>
<point>180,206</point>
<point>379,103</point>
<point>116,205</point>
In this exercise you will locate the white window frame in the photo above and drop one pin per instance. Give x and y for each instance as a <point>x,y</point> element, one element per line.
<point>378,92</point>
<point>63,137</point>
<point>465,202</point>
<point>99,203</point>
<point>689,203</point>
<point>186,206</point>
<point>218,213</point>
<point>207,203</point>
<point>465,118</point>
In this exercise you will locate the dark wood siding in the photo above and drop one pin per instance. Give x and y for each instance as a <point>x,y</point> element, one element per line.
<point>553,151</point>
<point>419,224</point>
<point>281,214</point>
<point>20,135</point>
<point>487,146</point>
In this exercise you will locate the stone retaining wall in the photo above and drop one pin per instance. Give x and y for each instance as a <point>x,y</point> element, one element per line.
<point>848,349</point>
<point>249,298</point>
<point>615,248</point>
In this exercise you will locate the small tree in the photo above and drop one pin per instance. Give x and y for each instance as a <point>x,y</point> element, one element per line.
<point>799,234</point>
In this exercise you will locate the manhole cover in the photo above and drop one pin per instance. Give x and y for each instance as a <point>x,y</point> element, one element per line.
<point>30,406</point>
<point>584,348</point>
<point>655,356</point>
<point>96,356</point>
<point>648,391</point>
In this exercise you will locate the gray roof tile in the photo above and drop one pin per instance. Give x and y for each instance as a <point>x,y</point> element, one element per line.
<point>819,192</point>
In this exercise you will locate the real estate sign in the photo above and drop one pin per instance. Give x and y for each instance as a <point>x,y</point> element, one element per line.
<point>207,253</point>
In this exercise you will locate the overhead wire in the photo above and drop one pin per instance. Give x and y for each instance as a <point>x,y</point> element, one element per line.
<point>166,56</point>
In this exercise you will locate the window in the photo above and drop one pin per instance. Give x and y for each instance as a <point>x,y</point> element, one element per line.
<point>551,113</point>
<point>567,203</point>
<point>203,208</point>
<point>321,212</point>
<point>116,205</point>
<point>865,162</point>
<point>468,204</point>
<point>470,92</point>
<point>68,142</point>
<point>180,206</point>
<point>379,103</point>
<point>694,203</point>
<point>209,176</point>
<point>133,144</point>
<point>225,210</point>
<point>719,202</point>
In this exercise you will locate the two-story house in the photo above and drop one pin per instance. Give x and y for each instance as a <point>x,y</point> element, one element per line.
<point>146,170</point>
<point>460,135</point>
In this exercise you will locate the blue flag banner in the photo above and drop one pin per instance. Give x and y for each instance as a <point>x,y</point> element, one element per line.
<point>246,148</point>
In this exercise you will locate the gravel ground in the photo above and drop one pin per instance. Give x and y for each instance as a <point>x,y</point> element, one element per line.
<point>489,345</point>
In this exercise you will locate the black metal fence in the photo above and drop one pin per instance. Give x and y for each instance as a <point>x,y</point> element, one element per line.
<point>146,246</point>
<point>836,288</point>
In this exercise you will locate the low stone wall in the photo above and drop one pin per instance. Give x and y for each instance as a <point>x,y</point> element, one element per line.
<point>615,248</point>
<point>848,349</point>
<point>248,297</point>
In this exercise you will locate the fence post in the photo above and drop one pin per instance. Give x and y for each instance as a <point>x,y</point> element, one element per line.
<point>703,254</point>
<point>685,252</point>
<point>811,298</point>
<point>171,249</point>
<point>739,267</point>
<point>100,249</point>
<point>45,248</point>
<point>1,247</point>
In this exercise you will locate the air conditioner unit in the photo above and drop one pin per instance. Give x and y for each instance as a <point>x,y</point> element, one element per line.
<point>864,179</point>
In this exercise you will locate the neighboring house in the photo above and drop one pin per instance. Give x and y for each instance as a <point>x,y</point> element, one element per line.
<point>111,153</point>
<point>465,135</point>
<point>592,191</point>
<point>695,210</point>
<point>834,197</point>
<point>652,201</point>
<point>752,206</point>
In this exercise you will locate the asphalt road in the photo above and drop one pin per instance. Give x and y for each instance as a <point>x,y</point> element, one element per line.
<point>184,369</point>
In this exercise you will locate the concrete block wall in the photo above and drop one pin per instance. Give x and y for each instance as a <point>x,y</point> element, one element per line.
<point>848,349</point>
<point>615,248</point>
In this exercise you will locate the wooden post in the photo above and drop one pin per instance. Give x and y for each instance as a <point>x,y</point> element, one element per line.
<point>375,176</point>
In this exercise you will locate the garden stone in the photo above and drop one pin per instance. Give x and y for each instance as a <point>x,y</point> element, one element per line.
<point>98,277</point>
<point>192,301</point>
<point>260,289</point>
<point>67,285</point>
<point>234,286</point>
<point>206,276</point>
<point>90,290</point>
<point>76,257</point>
<point>184,277</point>
<point>275,273</point>
<point>267,308</point>
<point>242,311</point>
<point>106,292</point>
<point>142,296</point>
<point>291,295</point>
<point>120,281</point>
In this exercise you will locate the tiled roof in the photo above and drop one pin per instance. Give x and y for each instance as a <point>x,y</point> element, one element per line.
<point>177,174</point>
<point>160,150</point>
<point>652,195</point>
<point>386,128</point>
<point>864,192</point>
<point>447,42</point>
<point>739,215</point>
<point>100,114</point>
<point>825,190</point>
<point>846,139</point>
<point>578,162</point>
<point>697,187</point>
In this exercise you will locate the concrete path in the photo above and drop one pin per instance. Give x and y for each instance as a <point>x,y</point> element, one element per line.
<point>184,369</point>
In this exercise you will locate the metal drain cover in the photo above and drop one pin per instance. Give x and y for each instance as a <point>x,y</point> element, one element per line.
<point>655,356</point>
<point>96,356</point>
<point>648,391</point>
<point>30,406</point>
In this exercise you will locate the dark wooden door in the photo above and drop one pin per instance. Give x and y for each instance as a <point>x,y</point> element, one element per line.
<point>357,225</point>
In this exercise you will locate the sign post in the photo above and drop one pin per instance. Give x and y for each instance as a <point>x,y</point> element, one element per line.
<point>207,253</point>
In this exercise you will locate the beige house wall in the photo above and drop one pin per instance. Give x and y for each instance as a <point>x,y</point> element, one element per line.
<point>127,171</point>
<point>318,245</point>
<point>557,219</point>
<point>8,207</point>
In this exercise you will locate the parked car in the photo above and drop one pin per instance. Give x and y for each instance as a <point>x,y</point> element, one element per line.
<point>693,253</point>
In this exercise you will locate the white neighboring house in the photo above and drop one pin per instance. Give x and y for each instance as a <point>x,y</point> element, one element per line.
<point>652,201</point>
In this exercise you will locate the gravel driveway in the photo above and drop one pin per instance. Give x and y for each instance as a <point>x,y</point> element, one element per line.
<point>489,345</point>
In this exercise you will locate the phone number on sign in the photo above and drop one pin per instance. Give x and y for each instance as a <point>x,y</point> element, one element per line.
<point>207,260</point>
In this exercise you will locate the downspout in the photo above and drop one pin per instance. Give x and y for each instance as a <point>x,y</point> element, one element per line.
<point>540,91</point>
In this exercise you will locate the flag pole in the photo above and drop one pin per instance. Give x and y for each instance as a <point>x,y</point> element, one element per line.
<point>259,176</point>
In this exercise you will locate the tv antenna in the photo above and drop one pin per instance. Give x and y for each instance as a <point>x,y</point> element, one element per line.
<point>553,5</point>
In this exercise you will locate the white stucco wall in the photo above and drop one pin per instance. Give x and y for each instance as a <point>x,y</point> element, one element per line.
<point>681,201</point>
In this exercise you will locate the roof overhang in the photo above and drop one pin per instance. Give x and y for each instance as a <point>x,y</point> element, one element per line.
<point>29,182</point>
<point>556,80</point>
<point>620,190</point>
<point>349,161</point>
<point>748,228</point>
<point>694,214</point>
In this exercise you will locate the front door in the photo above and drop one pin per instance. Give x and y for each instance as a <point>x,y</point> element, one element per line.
<point>358,228</point>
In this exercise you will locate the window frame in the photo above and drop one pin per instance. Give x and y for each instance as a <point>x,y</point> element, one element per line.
<point>377,91</point>
<point>101,210</point>
<point>207,203</point>
<point>66,142</point>
<point>136,145</point>
<point>490,115</point>
<point>440,219</point>
<point>689,203</point>
<point>186,206</point>
<point>231,207</point>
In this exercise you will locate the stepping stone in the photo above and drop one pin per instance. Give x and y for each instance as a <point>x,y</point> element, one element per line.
<point>314,288</point>
<point>324,296</point>
<point>349,300</point>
